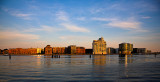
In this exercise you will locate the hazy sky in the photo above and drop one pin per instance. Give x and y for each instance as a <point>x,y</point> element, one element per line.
<point>36,23</point>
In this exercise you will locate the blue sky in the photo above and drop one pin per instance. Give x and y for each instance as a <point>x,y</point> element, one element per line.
<point>36,23</point>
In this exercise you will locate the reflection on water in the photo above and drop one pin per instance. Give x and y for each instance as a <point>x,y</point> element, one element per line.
<point>80,68</point>
<point>99,60</point>
<point>125,60</point>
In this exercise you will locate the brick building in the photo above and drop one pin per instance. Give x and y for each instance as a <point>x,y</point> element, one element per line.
<point>71,49</point>
<point>59,50</point>
<point>80,50</point>
<point>23,51</point>
<point>48,49</point>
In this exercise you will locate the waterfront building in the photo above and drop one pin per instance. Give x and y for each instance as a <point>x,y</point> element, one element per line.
<point>125,48</point>
<point>48,50</point>
<point>58,50</point>
<point>15,51</point>
<point>149,51</point>
<point>22,51</point>
<point>140,50</point>
<point>42,51</point>
<point>111,50</point>
<point>80,50</point>
<point>39,50</point>
<point>116,50</point>
<point>89,51</point>
<point>32,50</point>
<point>71,49</point>
<point>99,46</point>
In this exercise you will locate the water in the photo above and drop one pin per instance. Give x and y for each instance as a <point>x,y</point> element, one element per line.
<point>80,68</point>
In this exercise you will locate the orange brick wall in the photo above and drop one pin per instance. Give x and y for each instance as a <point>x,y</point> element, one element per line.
<point>80,50</point>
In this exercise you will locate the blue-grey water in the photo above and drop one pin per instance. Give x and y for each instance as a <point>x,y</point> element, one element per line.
<point>73,68</point>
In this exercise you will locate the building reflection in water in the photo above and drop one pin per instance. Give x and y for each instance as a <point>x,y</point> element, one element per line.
<point>77,60</point>
<point>125,60</point>
<point>39,62</point>
<point>100,63</point>
<point>99,60</point>
<point>67,59</point>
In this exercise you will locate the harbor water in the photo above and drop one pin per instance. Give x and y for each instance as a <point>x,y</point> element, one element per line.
<point>108,68</point>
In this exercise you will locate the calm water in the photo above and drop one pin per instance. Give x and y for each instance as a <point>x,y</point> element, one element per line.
<point>80,68</point>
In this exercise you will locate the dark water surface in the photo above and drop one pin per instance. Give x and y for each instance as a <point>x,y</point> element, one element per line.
<point>80,68</point>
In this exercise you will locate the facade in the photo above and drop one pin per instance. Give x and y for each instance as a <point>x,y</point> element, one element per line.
<point>117,50</point>
<point>58,50</point>
<point>111,50</point>
<point>99,46</point>
<point>17,51</point>
<point>125,48</point>
<point>39,50</point>
<point>80,50</point>
<point>71,49</point>
<point>42,51</point>
<point>48,50</point>
<point>32,50</point>
<point>149,51</point>
<point>139,50</point>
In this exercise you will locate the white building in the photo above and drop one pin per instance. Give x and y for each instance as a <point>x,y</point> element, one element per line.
<point>99,46</point>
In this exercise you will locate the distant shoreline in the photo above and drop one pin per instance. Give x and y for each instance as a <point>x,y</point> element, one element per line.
<point>69,54</point>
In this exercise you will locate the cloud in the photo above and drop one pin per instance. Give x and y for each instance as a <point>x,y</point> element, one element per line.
<point>68,37</point>
<point>103,19</point>
<point>25,16</point>
<point>14,35</point>
<point>124,24</point>
<point>96,10</point>
<point>44,28</point>
<point>128,24</point>
<point>133,26</point>
<point>72,37</point>
<point>81,18</point>
<point>61,15</point>
<point>146,17</point>
<point>74,28</point>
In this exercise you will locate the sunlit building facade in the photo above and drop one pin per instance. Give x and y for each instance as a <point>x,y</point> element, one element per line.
<point>48,50</point>
<point>23,51</point>
<point>111,50</point>
<point>125,48</point>
<point>39,50</point>
<point>59,50</point>
<point>99,46</point>
<point>140,50</point>
<point>80,50</point>
<point>71,49</point>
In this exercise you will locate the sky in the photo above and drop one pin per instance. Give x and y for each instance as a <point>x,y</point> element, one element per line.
<point>60,23</point>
